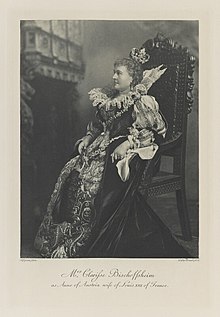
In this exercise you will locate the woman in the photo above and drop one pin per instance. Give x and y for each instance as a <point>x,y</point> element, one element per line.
<point>95,209</point>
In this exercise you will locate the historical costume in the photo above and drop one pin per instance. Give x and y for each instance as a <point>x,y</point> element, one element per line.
<point>95,209</point>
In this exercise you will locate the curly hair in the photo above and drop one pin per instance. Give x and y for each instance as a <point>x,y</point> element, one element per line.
<point>134,69</point>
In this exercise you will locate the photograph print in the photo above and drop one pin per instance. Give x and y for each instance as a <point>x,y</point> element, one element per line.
<point>109,139</point>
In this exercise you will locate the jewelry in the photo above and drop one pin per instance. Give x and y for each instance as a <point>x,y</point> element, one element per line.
<point>139,55</point>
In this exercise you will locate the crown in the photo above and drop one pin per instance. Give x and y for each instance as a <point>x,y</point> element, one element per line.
<point>139,55</point>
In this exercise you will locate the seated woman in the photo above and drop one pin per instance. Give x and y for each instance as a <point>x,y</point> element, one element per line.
<point>95,209</point>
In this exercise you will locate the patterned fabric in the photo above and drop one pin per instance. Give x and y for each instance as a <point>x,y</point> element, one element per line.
<point>71,214</point>
<point>78,185</point>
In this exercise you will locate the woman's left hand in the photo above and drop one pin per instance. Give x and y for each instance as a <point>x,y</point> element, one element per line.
<point>120,151</point>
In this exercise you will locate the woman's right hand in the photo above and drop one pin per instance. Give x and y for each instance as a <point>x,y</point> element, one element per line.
<point>84,143</point>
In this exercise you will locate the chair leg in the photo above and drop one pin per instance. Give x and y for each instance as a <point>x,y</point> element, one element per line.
<point>183,214</point>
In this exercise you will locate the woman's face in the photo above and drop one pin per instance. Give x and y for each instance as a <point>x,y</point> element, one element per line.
<point>122,79</point>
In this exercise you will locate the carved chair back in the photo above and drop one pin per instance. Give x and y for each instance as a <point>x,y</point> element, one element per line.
<point>173,91</point>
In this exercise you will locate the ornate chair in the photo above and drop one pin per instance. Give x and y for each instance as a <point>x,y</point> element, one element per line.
<point>173,91</point>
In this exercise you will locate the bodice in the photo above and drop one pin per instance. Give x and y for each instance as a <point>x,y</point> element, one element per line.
<point>117,126</point>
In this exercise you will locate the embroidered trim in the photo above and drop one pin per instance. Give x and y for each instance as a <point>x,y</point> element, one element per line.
<point>102,148</point>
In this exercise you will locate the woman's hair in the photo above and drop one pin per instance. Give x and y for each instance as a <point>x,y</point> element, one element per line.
<point>134,69</point>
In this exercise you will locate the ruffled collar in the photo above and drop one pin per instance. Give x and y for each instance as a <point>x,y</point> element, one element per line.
<point>100,99</point>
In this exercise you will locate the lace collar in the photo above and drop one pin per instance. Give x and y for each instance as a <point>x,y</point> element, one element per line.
<point>100,99</point>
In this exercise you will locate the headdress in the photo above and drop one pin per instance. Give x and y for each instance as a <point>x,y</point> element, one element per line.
<point>139,55</point>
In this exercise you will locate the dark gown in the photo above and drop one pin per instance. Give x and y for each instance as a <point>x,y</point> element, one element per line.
<point>93,213</point>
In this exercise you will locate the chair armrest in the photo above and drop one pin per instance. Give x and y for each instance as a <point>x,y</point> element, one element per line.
<point>154,164</point>
<point>170,143</point>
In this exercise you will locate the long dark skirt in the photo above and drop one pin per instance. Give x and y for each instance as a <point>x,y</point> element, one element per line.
<point>126,225</point>
<point>119,223</point>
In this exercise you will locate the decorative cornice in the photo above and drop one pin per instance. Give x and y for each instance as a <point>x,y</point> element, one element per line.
<point>50,55</point>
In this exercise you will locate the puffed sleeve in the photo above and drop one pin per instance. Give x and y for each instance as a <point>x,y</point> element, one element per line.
<point>147,122</point>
